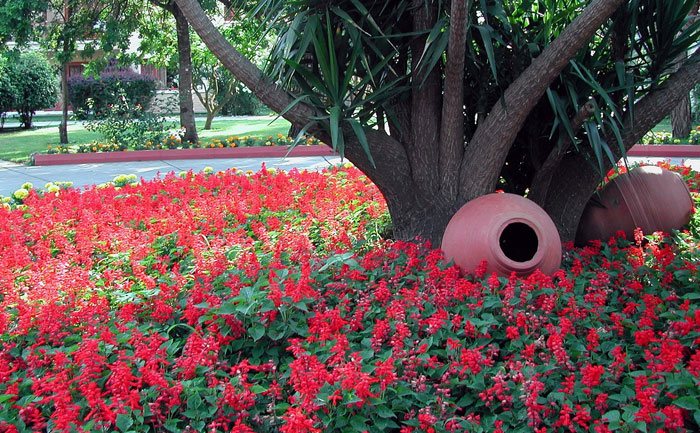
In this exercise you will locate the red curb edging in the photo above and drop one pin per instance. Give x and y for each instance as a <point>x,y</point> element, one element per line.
<point>157,155</point>
<point>665,150</point>
<point>639,150</point>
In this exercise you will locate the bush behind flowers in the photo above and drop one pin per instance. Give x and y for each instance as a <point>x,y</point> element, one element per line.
<point>269,302</point>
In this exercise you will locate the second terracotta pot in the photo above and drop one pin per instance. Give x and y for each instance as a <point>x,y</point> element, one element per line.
<point>651,198</point>
<point>510,232</point>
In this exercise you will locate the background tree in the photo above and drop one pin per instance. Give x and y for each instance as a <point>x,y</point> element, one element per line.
<point>184,57</point>
<point>35,85</point>
<point>7,90</point>
<point>476,95</point>
<point>214,85</point>
<point>18,19</point>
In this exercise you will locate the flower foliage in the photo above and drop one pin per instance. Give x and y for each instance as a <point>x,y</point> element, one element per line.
<point>174,141</point>
<point>652,137</point>
<point>267,302</point>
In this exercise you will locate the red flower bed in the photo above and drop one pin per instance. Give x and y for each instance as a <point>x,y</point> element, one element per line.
<point>268,303</point>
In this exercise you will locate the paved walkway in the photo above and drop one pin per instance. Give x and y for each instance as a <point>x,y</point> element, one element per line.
<point>12,176</point>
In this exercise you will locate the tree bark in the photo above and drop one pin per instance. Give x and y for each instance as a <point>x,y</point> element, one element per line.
<point>543,177</point>
<point>63,127</point>
<point>681,119</point>
<point>426,100</point>
<point>185,75</point>
<point>452,126</point>
<point>210,119</point>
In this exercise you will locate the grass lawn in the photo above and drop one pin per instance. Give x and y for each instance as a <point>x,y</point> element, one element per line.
<point>17,146</point>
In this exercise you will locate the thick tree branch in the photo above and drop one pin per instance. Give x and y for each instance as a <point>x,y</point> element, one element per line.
<point>426,96</point>
<point>489,147</point>
<point>452,126</point>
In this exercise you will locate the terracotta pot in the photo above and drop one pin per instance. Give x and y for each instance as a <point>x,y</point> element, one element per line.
<point>651,198</point>
<point>510,232</point>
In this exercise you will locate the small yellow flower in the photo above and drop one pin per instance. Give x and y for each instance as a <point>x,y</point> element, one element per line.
<point>20,194</point>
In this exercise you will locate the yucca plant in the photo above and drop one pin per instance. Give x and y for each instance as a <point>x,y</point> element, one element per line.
<point>440,102</point>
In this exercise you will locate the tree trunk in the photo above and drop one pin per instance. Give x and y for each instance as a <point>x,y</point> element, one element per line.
<point>294,130</point>
<point>185,75</point>
<point>425,221</point>
<point>63,127</point>
<point>681,120</point>
<point>210,118</point>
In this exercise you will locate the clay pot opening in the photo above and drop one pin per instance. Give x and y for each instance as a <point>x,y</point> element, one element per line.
<point>519,242</point>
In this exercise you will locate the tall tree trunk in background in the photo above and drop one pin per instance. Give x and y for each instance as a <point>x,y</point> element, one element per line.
<point>63,127</point>
<point>185,75</point>
<point>681,118</point>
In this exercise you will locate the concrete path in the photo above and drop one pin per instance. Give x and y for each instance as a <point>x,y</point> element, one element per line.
<point>12,176</point>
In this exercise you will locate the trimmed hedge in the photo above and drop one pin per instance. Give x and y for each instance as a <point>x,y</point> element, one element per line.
<point>91,96</point>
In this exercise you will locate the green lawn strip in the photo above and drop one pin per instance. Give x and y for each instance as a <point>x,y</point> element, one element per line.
<point>17,146</point>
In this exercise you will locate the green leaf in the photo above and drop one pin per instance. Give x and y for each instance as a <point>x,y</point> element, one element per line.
<point>335,114</point>
<point>123,422</point>
<point>486,33</point>
<point>362,138</point>
<point>384,412</point>
<point>358,423</point>
<point>257,389</point>
<point>227,308</point>
<point>257,331</point>
<point>612,416</point>
<point>687,402</point>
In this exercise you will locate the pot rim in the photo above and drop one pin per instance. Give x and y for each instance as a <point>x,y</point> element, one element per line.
<point>503,262</point>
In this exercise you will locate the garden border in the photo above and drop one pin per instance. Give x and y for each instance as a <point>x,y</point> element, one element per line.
<point>665,150</point>
<point>172,154</point>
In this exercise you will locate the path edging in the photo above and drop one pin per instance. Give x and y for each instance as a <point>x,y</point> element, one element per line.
<point>639,150</point>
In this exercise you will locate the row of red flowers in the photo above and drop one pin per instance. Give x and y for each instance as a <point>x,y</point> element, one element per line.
<point>269,303</point>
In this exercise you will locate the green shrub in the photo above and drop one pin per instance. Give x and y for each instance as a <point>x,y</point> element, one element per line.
<point>244,103</point>
<point>93,96</point>
<point>35,83</point>
<point>7,91</point>
<point>126,125</point>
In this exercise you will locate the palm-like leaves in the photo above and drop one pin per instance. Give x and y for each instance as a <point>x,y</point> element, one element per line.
<point>353,58</point>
